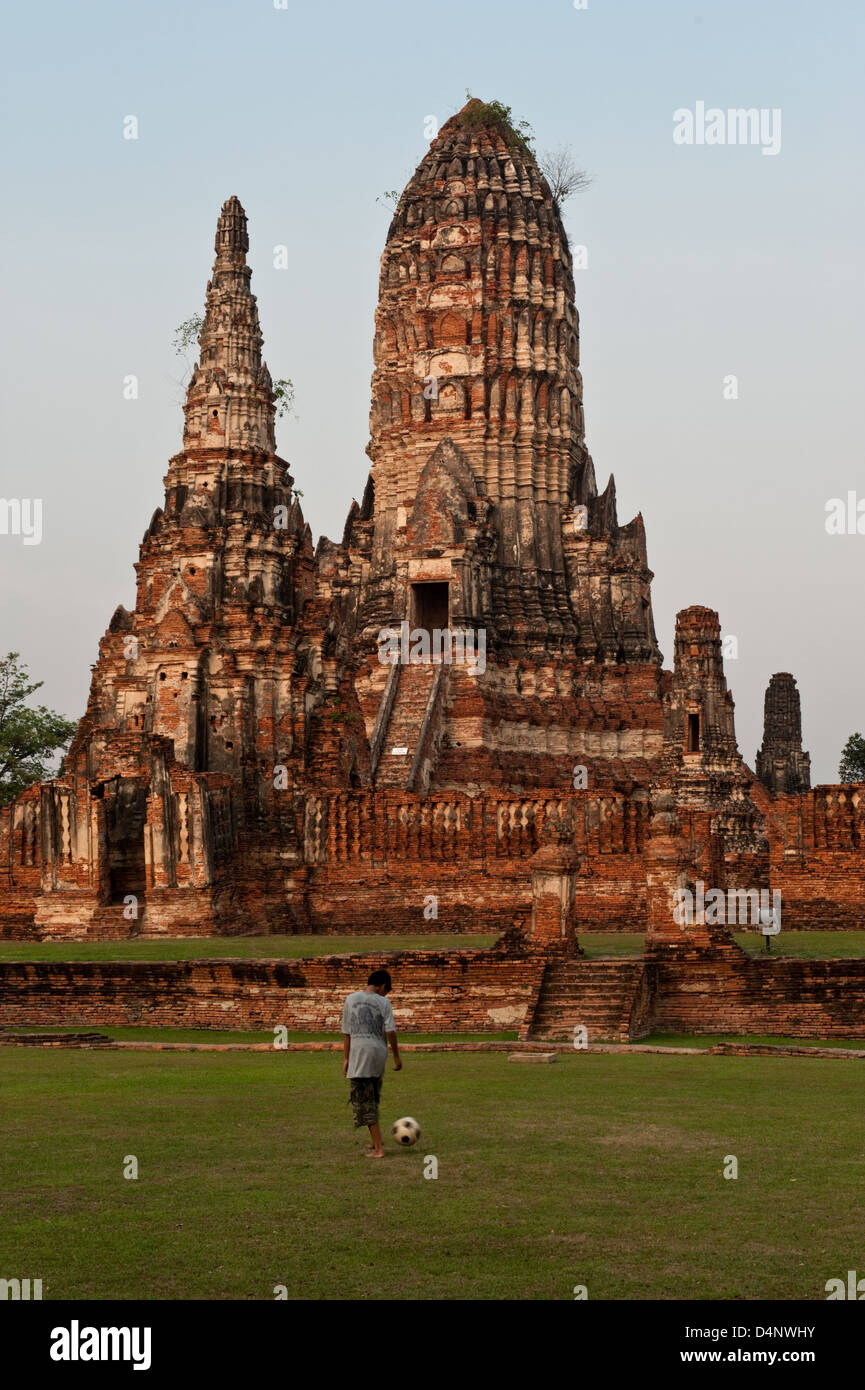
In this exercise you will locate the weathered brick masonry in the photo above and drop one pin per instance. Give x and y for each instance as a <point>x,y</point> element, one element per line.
<point>375,859</point>
<point>784,998</point>
<point>433,992</point>
<point>817,842</point>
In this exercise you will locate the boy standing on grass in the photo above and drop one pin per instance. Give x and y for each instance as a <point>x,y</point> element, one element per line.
<point>368,1026</point>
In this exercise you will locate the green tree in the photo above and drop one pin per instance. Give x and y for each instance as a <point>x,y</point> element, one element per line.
<point>283,395</point>
<point>477,113</point>
<point>852,767</point>
<point>187,333</point>
<point>28,736</point>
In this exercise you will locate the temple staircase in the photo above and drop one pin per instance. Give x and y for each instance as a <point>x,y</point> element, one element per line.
<point>408,730</point>
<point>598,995</point>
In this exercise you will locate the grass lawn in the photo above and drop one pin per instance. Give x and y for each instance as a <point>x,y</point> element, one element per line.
<point>240,947</point>
<point>703,1040</point>
<point>290,947</point>
<point>206,1035</point>
<point>603,1170</point>
<point>808,945</point>
<point>620,944</point>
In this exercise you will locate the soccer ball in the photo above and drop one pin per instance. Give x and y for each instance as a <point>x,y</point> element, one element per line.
<point>406,1131</point>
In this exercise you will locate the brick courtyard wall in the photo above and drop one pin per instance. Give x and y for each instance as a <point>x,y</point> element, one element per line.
<point>433,992</point>
<point>470,897</point>
<point>375,860</point>
<point>449,991</point>
<point>789,998</point>
<point>818,857</point>
<point>371,862</point>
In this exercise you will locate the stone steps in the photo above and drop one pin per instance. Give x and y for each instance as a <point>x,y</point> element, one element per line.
<point>405,724</point>
<point>596,995</point>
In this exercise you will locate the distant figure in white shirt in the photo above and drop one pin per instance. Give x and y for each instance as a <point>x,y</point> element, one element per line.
<point>368,1026</point>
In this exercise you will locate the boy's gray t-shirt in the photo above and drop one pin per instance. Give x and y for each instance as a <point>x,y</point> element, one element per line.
<point>367,1017</point>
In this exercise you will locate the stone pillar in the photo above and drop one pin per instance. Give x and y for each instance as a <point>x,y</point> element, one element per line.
<point>154,843</point>
<point>200,845</point>
<point>555,867</point>
<point>100,869</point>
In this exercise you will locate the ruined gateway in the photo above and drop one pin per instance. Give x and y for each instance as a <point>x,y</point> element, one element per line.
<point>248,762</point>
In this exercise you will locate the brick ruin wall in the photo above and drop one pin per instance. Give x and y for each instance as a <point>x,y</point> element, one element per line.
<point>433,992</point>
<point>817,843</point>
<point>372,859</point>
<point>782,998</point>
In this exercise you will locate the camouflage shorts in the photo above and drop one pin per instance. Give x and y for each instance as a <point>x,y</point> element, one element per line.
<point>364,1097</point>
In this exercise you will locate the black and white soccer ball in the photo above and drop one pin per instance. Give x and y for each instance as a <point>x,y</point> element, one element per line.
<point>406,1131</point>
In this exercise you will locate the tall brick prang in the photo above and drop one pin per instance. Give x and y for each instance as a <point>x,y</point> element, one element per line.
<point>477,431</point>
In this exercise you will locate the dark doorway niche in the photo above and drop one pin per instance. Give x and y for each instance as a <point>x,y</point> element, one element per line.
<point>430,607</point>
<point>125,813</point>
<point>693,733</point>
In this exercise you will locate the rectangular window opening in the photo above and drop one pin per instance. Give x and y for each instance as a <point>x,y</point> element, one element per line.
<point>430,605</point>
<point>693,733</point>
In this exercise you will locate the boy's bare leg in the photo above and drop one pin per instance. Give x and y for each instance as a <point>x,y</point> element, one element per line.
<point>377,1149</point>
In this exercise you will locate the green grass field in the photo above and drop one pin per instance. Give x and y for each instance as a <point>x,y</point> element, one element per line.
<point>603,1170</point>
<point>751,1039</point>
<point>597,945</point>
<point>808,945</point>
<point>240,947</point>
<point>207,1035</point>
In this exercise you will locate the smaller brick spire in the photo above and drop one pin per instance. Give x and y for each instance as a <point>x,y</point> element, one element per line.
<point>229,401</point>
<point>781,764</point>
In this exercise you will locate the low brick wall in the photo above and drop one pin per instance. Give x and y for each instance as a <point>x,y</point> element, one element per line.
<point>433,992</point>
<point>787,998</point>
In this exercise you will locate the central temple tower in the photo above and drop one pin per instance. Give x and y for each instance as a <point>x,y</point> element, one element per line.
<point>481,512</point>
<point>477,436</point>
<point>476,394</point>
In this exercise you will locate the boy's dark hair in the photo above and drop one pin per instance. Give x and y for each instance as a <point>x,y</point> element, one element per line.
<point>380,977</point>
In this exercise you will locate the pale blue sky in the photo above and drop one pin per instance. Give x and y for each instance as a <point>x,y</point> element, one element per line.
<point>703,261</point>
